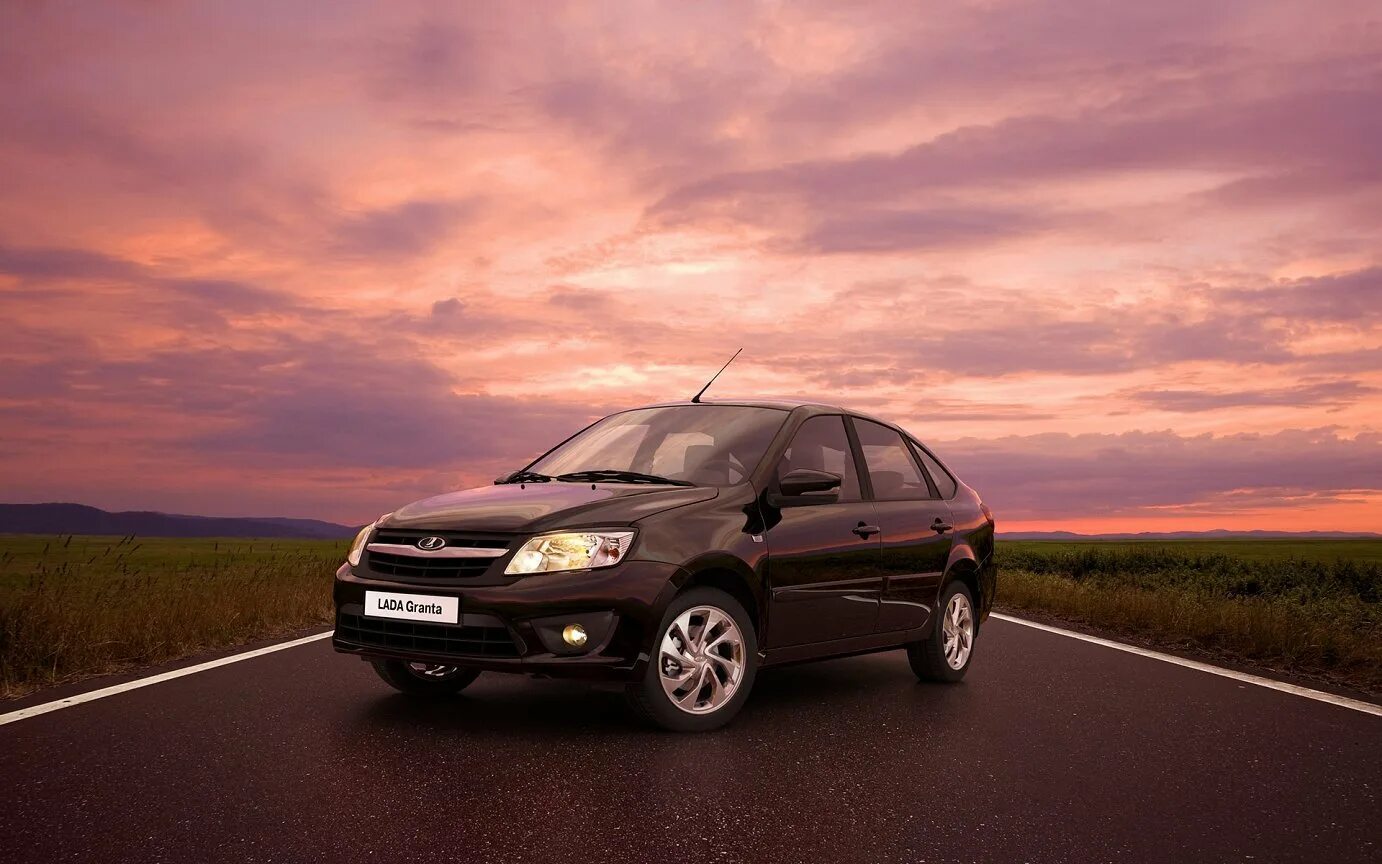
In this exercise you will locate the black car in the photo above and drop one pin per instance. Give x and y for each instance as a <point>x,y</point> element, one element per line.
<point>679,549</point>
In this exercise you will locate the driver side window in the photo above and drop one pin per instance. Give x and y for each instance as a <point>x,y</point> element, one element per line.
<point>821,444</point>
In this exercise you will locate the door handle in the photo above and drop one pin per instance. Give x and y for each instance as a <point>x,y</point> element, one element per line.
<point>940,526</point>
<point>867,531</point>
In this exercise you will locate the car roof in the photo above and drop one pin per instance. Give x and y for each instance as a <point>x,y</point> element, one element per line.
<point>781,403</point>
<point>784,404</point>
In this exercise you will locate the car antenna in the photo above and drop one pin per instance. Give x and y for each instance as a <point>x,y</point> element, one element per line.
<point>697,397</point>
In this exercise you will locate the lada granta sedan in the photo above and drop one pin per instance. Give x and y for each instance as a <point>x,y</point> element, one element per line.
<point>679,549</point>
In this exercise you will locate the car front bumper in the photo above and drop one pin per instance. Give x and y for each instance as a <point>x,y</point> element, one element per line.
<point>516,627</point>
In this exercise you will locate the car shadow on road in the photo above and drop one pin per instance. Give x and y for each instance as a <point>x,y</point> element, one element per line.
<point>507,705</point>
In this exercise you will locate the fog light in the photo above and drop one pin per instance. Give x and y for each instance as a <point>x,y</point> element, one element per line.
<point>573,635</point>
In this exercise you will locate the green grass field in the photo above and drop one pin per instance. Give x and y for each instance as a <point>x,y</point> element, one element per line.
<point>77,606</point>
<point>1354,549</point>
<point>1305,606</point>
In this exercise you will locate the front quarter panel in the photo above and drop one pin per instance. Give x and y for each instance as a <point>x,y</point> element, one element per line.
<point>710,535</point>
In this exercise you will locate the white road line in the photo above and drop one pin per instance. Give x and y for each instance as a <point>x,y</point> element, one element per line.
<point>1317,695</point>
<point>35,710</point>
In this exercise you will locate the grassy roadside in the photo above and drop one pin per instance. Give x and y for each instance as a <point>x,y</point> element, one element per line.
<point>1301,609</point>
<point>71,607</point>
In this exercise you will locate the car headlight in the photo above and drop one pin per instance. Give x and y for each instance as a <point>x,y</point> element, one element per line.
<point>570,550</point>
<point>357,546</point>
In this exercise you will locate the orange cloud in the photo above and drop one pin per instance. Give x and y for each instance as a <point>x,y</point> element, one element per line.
<point>319,265</point>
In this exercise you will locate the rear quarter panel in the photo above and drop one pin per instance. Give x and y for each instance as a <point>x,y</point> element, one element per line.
<point>974,542</point>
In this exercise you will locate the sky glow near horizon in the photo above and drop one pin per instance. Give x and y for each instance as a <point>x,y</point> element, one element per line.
<point>1121,265</point>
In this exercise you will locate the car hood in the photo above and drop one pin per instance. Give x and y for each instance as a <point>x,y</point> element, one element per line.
<point>514,507</point>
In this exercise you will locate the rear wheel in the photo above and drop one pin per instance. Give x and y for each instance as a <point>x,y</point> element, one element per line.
<point>425,679</point>
<point>703,664</point>
<point>945,655</point>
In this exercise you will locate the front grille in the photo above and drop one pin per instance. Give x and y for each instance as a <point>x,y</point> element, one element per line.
<point>468,641</point>
<point>469,540</point>
<point>421,567</point>
<point>417,567</point>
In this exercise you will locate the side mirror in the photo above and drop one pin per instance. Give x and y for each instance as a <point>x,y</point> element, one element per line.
<point>807,486</point>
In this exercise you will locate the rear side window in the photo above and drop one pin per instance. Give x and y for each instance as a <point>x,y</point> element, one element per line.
<point>945,484</point>
<point>892,470</point>
<point>821,444</point>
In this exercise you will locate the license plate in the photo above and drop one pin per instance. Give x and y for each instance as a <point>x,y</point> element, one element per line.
<point>412,607</point>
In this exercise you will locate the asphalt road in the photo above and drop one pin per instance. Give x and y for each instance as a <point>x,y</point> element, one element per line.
<point>1052,750</point>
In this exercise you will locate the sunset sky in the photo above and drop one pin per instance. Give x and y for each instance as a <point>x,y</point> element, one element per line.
<point>1120,263</point>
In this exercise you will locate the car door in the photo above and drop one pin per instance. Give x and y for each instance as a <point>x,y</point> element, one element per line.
<point>823,558</point>
<point>917,529</point>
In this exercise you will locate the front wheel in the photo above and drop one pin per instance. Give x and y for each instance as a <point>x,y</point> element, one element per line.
<point>945,655</point>
<point>424,679</point>
<point>703,664</point>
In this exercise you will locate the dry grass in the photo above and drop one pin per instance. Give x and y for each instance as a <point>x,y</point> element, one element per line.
<point>77,606</point>
<point>1318,617</point>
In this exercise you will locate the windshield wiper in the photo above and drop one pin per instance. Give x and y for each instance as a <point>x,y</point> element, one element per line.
<point>521,477</point>
<point>610,475</point>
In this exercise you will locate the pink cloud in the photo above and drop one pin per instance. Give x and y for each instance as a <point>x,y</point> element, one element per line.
<point>322,263</point>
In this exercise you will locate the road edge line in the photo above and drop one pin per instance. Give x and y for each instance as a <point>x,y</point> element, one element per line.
<point>1247,678</point>
<point>92,695</point>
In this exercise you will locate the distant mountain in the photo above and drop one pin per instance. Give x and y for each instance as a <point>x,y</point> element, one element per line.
<point>1216,534</point>
<point>80,519</point>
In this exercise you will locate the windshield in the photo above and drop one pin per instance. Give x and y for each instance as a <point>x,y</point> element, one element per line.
<point>708,445</point>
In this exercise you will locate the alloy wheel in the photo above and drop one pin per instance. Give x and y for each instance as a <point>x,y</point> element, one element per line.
<point>957,631</point>
<point>432,671</point>
<point>701,660</point>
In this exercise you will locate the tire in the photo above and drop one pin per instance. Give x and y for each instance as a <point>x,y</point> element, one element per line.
<point>401,676</point>
<point>928,657</point>
<point>731,638</point>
